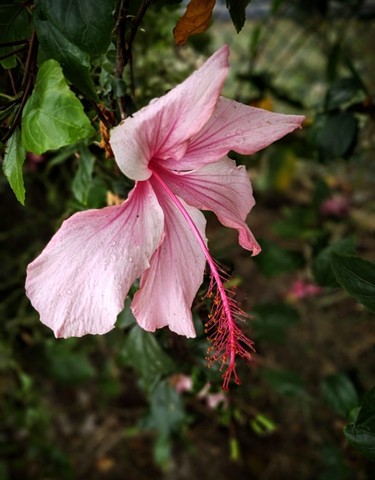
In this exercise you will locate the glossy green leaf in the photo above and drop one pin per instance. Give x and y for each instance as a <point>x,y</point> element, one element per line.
<point>53,116</point>
<point>72,33</point>
<point>357,277</point>
<point>143,352</point>
<point>237,10</point>
<point>272,321</point>
<point>322,264</point>
<point>85,23</point>
<point>75,62</point>
<point>82,181</point>
<point>340,393</point>
<point>15,155</point>
<point>361,432</point>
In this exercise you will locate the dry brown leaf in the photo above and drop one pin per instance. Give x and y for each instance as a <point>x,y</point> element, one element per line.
<point>104,143</point>
<point>196,19</point>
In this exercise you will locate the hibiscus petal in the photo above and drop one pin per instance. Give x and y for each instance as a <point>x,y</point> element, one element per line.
<point>223,188</point>
<point>234,126</point>
<point>163,128</point>
<point>168,288</point>
<point>80,280</point>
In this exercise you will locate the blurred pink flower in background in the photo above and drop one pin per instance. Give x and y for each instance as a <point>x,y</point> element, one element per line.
<point>303,289</point>
<point>336,206</point>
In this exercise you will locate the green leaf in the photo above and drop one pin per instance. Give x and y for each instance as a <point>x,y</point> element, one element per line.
<point>14,25</point>
<point>237,10</point>
<point>297,222</point>
<point>340,393</point>
<point>357,277</point>
<point>336,468</point>
<point>336,134</point>
<point>82,181</point>
<point>285,382</point>
<point>143,352</point>
<point>275,260</point>
<point>72,33</point>
<point>166,417</point>
<point>53,116</point>
<point>126,318</point>
<point>272,320</point>
<point>361,432</point>
<point>167,412</point>
<point>85,23</point>
<point>343,92</point>
<point>15,155</point>
<point>322,264</point>
<point>67,366</point>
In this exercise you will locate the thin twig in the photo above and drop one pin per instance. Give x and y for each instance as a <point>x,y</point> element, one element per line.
<point>30,59</point>
<point>10,54</point>
<point>26,86</point>
<point>13,43</point>
<point>135,25</point>
<point>121,50</point>
<point>124,45</point>
<point>17,117</point>
<point>12,84</point>
<point>101,116</point>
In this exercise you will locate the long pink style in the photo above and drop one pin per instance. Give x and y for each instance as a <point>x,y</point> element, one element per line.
<point>226,337</point>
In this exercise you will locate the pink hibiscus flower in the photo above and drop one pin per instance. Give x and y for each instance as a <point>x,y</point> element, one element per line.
<point>175,150</point>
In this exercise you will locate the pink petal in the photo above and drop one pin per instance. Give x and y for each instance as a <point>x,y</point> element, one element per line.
<point>223,188</point>
<point>234,126</point>
<point>163,128</point>
<point>168,288</point>
<point>80,280</point>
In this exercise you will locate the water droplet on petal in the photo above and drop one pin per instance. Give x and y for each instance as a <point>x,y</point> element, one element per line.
<point>69,291</point>
<point>239,131</point>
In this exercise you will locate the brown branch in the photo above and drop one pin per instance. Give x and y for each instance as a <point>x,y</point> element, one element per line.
<point>26,85</point>
<point>17,117</point>
<point>135,25</point>
<point>11,80</point>
<point>121,50</point>
<point>30,59</point>
<point>101,116</point>
<point>13,43</point>
<point>10,54</point>
<point>124,45</point>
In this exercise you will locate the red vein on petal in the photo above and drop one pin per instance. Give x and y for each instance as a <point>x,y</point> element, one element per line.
<point>227,339</point>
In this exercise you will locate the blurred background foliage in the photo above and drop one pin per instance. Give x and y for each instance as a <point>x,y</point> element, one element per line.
<point>140,405</point>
